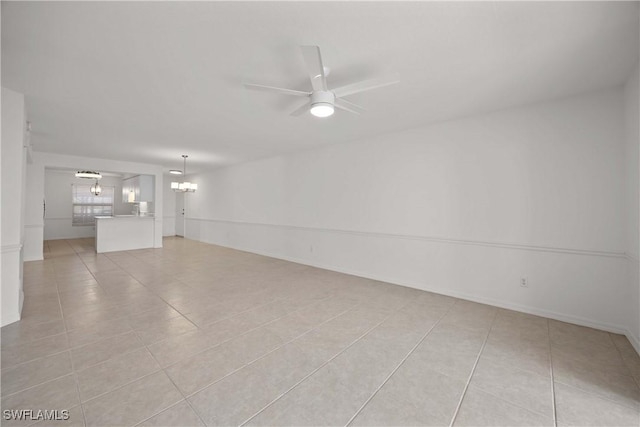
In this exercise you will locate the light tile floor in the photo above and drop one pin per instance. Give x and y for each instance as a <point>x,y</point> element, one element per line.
<point>196,334</point>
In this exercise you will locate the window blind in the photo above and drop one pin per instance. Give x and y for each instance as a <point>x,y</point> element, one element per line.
<point>86,205</point>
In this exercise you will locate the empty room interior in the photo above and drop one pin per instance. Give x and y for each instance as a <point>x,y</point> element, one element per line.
<point>320,213</point>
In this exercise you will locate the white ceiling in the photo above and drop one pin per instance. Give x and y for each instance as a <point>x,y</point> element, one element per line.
<point>149,81</point>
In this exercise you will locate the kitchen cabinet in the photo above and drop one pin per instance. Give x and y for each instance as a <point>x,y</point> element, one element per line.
<point>137,189</point>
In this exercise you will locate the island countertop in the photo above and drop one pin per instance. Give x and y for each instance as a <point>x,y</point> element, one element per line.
<point>125,217</point>
<point>124,232</point>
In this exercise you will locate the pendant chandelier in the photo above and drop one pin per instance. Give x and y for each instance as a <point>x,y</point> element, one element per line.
<point>185,186</point>
<point>96,189</point>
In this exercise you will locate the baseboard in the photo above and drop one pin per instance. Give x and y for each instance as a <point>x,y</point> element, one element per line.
<point>635,342</point>
<point>10,319</point>
<point>617,329</point>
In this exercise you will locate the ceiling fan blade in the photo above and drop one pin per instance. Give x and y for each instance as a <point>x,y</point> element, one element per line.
<point>312,58</point>
<point>300,110</point>
<point>280,90</point>
<point>349,104</point>
<point>362,86</point>
<point>339,104</point>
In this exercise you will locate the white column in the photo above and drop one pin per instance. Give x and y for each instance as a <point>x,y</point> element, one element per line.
<point>12,184</point>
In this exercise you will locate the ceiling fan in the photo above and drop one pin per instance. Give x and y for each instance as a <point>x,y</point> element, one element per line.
<point>322,100</point>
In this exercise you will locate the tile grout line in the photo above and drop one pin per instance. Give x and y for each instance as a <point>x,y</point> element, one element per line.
<point>593,393</point>
<point>475,364</point>
<point>185,315</point>
<point>399,365</point>
<point>73,368</point>
<point>137,348</point>
<point>172,382</point>
<point>599,396</point>
<point>242,334</point>
<point>323,365</point>
<point>275,349</point>
<point>553,382</point>
<point>187,396</point>
<point>169,407</point>
<point>163,369</point>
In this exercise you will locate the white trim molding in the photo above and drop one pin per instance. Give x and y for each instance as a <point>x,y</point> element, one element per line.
<point>438,239</point>
<point>11,248</point>
<point>34,226</point>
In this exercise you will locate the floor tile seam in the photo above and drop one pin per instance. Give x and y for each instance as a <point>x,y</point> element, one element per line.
<point>160,369</point>
<point>4,370</point>
<point>77,382</point>
<point>234,337</point>
<point>97,396</point>
<point>411,351</point>
<point>234,315</point>
<point>75,347</point>
<point>511,402</point>
<point>75,379</point>
<point>580,341</point>
<point>167,408</point>
<point>192,322</point>
<point>110,320</point>
<point>473,369</point>
<point>553,381</point>
<point>268,353</point>
<point>12,346</point>
<point>518,368</point>
<point>38,385</point>
<point>129,383</point>
<point>595,394</point>
<point>627,372</point>
<point>497,360</point>
<point>110,358</point>
<point>184,397</point>
<point>367,332</point>
<point>31,341</point>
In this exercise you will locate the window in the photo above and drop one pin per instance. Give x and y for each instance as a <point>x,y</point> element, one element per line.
<point>86,205</point>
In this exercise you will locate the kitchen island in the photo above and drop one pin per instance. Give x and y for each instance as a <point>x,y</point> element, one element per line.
<point>124,232</point>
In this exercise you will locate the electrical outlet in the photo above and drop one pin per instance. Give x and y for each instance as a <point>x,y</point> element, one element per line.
<point>524,282</point>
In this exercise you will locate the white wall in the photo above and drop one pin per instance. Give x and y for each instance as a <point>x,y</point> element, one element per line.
<point>33,219</point>
<point>632,179</point>
<point>465,208</point>
<point>57,193</point>
<point>58,161</point>
<point>169,208</point>
<point>13,163</point>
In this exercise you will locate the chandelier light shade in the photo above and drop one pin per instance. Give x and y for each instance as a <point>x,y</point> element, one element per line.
<point>185,186</point>
<point>88,174</point>
<point>96,189</point>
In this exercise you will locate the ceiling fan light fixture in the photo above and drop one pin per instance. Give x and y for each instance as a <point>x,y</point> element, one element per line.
<point>322,103</point>
<point>322,109</point>
<point>175,172</point>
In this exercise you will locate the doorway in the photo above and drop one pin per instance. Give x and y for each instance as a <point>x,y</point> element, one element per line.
<point>180,214</point>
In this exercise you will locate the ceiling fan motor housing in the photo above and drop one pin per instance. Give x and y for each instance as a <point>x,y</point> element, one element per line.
<point>322,98</point>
